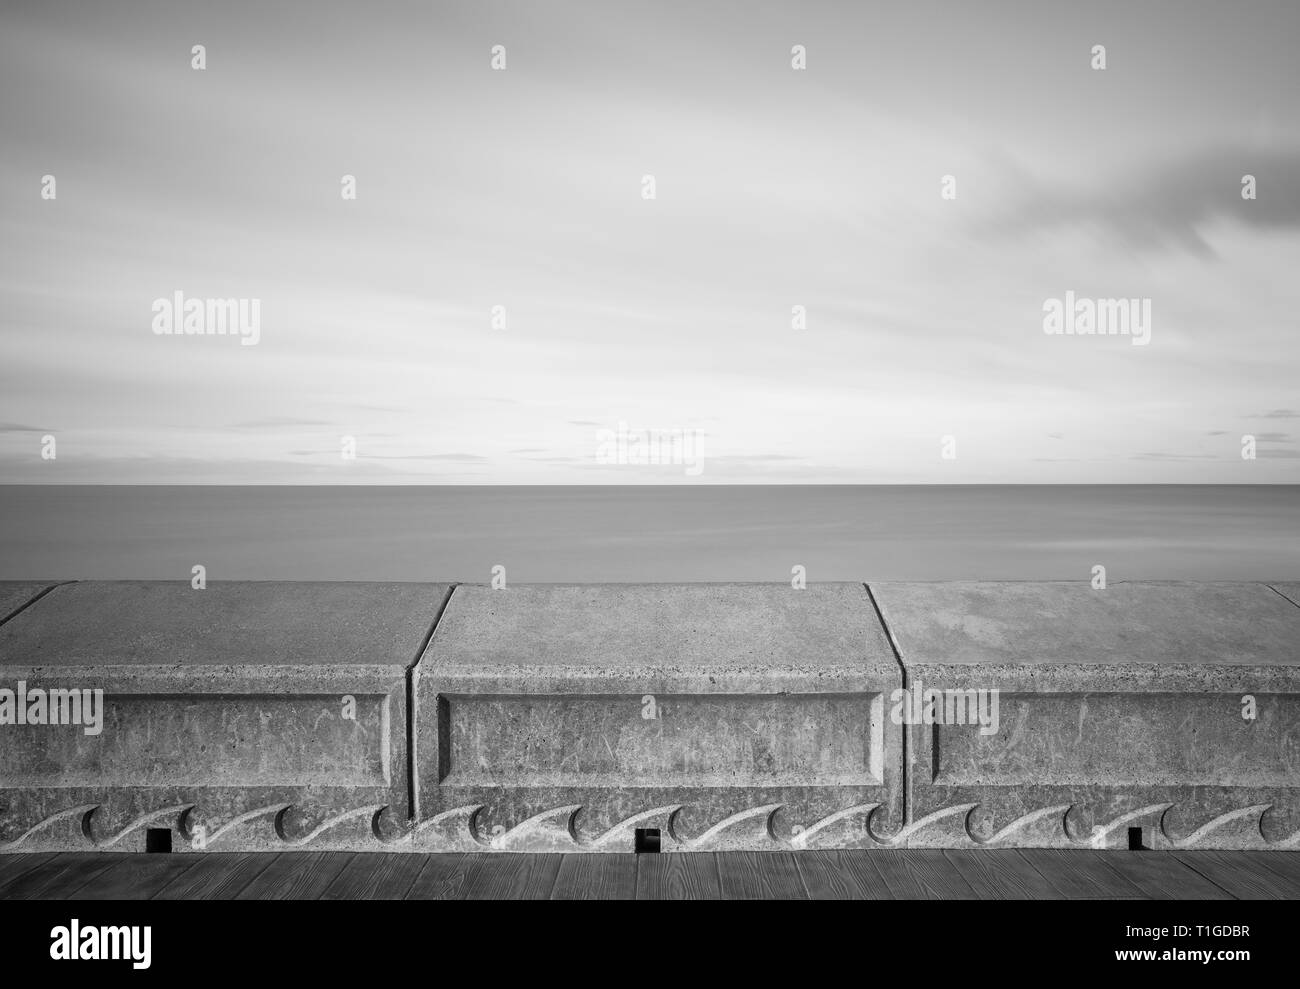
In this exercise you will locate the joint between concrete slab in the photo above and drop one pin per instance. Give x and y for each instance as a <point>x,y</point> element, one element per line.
<point>906,781</point>
<point>1283,595</point>
<point>32,600</point>
<point>412,706</point>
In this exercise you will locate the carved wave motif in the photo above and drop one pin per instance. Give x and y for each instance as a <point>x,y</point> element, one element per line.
<point>623,831</point>
<point>556,829</point>
<point>143,821</point>
<point>1218,824</point>
<point>235,824</point>
<point>79,813</point>
<point>370,813</point>
<point>1100,836</point>
<point>454,830</point>
<point>1026,822</point>
<point>551,830</point>
<point>755,822</point>
<point>929,822</point>
<point>804,837</point>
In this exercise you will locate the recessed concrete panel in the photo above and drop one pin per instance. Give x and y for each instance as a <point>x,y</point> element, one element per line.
<point>722,714</point>
<point>204,740</point>
<point>1169,707</point>
<point>251,714</point>
<point>831,739</point>
<point>1070,739</point>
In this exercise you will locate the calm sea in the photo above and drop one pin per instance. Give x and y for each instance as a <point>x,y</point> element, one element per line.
<point>682,533</point>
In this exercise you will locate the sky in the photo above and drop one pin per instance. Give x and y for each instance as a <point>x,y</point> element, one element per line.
<point>921,357</point>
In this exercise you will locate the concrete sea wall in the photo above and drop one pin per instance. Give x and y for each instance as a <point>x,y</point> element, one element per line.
<point>440,717</point>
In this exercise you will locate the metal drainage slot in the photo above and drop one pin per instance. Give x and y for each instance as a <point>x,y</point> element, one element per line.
<point>158,840</point>
<point>647,841</point>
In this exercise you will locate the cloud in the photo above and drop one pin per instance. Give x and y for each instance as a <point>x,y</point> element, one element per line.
<point>672,313</point>
<point>279,422</point>
<point>1172,457</point>
<point>17,427</point>
<point>1169,202</point>
<point>460,458</point>
<point>164,469</point>
<point>758,458</point>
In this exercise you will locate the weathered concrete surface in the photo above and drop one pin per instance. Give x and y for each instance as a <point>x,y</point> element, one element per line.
<point>15,594</point>
<point>240,715</point>
<point>1118,708</point>
<point>273,715</point>
<point>167,623</point>
<point>724,714</point>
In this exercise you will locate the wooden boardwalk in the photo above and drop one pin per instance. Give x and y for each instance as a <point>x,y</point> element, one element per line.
<point>844,875</point>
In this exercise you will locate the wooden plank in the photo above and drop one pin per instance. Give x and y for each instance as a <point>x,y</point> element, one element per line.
<point>911,874</point>
<point>15,865</point>
<point>1285,864</point>
<point>841,875</point>
<point>861,865</point>
<point>217,876</point>
<point>376,876</point>
<point>442,877</point>
<point>760,876</point>
<point>1000,874</point>
<point>596,876</point>
<point>296,876</point>
<point>62,874</point>
<point>936,872</point>
<point>1161,876</point>
<point>678,876</point>
<point>902,885</point>
<point>1080,874</point>
<point>135,876</point>
<point>511,876</point>
<point>1242,874</point>
<point>921,874</point>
